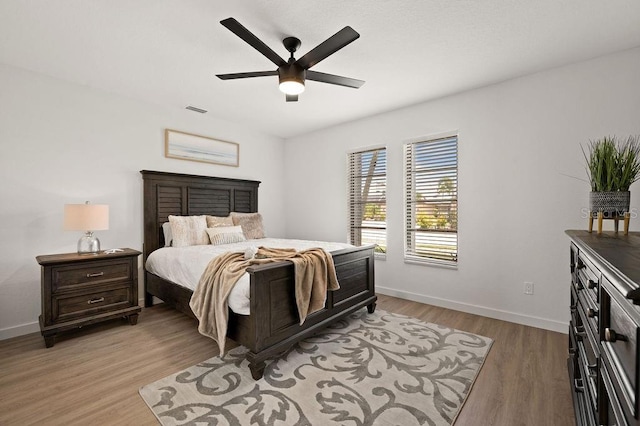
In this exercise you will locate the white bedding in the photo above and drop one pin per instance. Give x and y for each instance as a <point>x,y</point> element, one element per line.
<point>185,265</point>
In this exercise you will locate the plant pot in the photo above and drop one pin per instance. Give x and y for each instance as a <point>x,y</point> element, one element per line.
<point>610,203</point>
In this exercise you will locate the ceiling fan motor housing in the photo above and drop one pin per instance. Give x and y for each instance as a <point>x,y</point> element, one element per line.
<point>292,72</point>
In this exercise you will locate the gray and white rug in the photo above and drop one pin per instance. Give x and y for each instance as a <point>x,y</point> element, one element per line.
<point>369,369</point>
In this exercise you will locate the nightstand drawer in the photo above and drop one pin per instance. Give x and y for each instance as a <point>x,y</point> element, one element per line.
<point>65,308</point>
<point>90,274</point>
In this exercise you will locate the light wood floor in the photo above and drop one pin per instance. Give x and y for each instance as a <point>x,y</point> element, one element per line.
<point>92,376</point>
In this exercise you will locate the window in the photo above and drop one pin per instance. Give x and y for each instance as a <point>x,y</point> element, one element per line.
<point>367,198</point>
<point>431,200</point>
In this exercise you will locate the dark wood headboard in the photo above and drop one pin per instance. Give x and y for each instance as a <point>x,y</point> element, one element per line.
<point>186,195</point>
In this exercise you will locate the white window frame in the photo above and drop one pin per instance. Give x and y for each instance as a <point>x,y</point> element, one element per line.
<point>410,255</point>
<point>378,255</point>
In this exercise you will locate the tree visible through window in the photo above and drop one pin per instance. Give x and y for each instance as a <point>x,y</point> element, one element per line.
<point>367,198</point>
<point>431,200</point>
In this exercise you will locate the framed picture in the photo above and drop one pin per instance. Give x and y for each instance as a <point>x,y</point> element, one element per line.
<point>187,146</point>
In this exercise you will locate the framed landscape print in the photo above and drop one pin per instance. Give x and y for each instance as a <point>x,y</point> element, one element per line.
<point>187,146</point>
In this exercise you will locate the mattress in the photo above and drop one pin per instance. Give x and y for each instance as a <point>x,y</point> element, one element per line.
<point>185,265</point>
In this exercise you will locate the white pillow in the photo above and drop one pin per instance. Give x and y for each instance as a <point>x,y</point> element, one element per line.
<point>225,235</point>
<point>166,229</point>
<point>188,230</point>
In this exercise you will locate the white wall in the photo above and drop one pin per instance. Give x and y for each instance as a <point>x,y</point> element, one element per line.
<point>518,143</point>
<point>65,143</point>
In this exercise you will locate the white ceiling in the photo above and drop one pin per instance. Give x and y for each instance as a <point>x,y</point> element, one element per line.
<point>409,51</point>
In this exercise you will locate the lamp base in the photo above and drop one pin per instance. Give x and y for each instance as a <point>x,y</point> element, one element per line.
<point>88,244</point>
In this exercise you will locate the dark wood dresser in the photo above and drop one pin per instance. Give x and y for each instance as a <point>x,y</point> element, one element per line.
<point>82,289</point>
<point>604,329</point>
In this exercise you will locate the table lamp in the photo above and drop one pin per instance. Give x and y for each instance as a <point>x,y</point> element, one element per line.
<point>86,217</point>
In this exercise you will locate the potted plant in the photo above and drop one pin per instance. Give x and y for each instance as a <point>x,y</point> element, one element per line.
<point>612,166</point>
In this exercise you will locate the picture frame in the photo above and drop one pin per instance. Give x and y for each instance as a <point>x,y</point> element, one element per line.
<point>188,146</point>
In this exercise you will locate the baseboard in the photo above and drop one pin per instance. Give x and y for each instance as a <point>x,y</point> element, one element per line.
<point>19,330</point>
<point>33,327</point>
<point>547,324</point>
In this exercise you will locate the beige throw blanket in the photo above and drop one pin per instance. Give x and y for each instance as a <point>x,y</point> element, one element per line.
<point>314,275</point>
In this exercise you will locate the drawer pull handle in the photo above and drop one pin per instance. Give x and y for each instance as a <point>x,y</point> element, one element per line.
<point>578,385</point>
<point>610,335</point>
<point>92,301</point>
<point>579,332</point>
<point>97,274</point>
<point>591,313</point>
<point>580,264</point>
<point>592,284</point>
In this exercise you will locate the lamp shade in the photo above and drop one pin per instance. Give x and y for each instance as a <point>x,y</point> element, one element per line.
<point>86,217</point>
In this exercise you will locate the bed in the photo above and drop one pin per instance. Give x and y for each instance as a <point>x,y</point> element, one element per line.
<point>272,325</point>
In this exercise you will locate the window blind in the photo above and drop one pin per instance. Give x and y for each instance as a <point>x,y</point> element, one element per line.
<point>431,200</point>
<point>367,198</point>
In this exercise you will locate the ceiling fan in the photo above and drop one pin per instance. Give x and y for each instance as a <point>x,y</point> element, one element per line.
<point>293,73</point>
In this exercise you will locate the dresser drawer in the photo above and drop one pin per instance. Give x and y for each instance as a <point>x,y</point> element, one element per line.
<point>66,307</point>
<point>587,415</point>
<point>573,261</point>
<point>615,415</point>
<point>96,273</point>
<point>588,277</point>
<point>620,352</point>
<point>589,366</point>
<point>589,313</point>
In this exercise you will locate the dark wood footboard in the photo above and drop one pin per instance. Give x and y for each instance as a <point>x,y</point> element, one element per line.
<point>274,323</point>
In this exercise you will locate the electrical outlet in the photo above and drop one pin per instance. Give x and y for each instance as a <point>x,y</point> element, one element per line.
<point>528,288</point>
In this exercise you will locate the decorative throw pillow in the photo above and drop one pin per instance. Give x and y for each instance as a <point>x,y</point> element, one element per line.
<point>251,224</point>
<point>215,221</point>
<point>166,229</point>
<point>188,230</point>
<point>225,235</point>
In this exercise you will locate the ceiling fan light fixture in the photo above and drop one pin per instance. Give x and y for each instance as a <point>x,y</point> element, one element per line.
<point>291,79</point>
<point>291,87</point>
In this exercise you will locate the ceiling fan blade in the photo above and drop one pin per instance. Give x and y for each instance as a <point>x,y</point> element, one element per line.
<point>246,75</point>
<point>328,47</point>
<point>334,79</point>
<point>238,29</point>
<point>292,98</point>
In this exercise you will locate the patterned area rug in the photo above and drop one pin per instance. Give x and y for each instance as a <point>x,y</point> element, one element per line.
<point>369,369</point>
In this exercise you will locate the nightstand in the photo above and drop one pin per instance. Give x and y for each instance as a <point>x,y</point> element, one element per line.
<point>82,289</point>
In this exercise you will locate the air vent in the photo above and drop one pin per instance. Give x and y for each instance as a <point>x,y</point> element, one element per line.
<point>192,108</point>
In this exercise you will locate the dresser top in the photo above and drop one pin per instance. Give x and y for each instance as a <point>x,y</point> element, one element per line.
<point>621,252</point>
<point>51,259</point>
